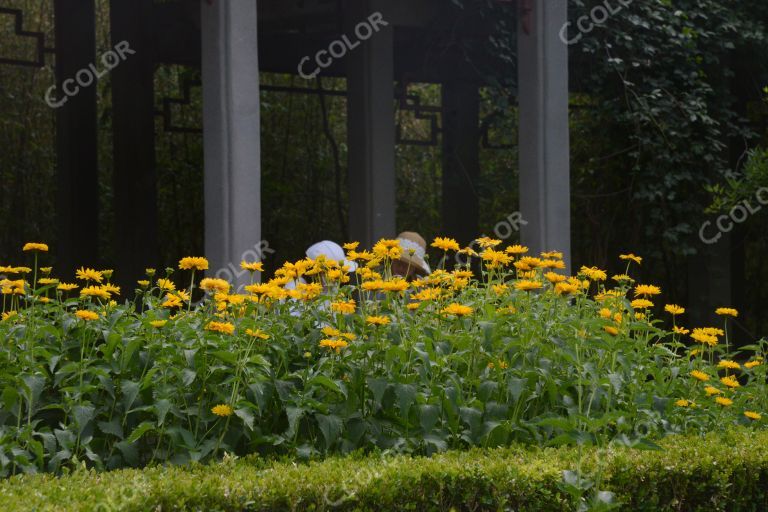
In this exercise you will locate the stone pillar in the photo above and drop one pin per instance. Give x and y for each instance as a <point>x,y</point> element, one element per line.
<point>544,131</point>
<point>232,134</point>
<point>371,124</point>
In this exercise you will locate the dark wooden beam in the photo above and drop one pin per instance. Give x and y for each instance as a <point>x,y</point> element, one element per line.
<point>76,138</point>
<point>461,161</point>
<point>135,194</point>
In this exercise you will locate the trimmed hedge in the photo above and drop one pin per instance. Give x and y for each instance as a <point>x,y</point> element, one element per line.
<point>725,471</point>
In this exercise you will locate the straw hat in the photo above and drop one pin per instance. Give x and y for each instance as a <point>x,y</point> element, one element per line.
<point>331,251</point>
<point>414,249</point>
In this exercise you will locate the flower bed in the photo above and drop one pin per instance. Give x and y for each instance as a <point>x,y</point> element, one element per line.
<point>517,352</point>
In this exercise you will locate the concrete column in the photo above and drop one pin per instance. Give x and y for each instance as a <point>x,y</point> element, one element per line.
<point>232,134</point>
<point>544,132</point>
<point>77,172</point>
<point>461,161</point>
<point>371,125</point>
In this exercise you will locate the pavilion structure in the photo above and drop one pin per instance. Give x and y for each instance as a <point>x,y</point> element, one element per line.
<point>233,41</point>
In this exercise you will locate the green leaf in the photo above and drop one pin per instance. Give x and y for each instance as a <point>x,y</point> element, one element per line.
<point>516,387</point>
<point>247,416</point>
<point>406,394</point>
<point>378,387</point>
<point>83,414</point>
<point>327,383</point>
<point>138,432</point>
<point>225,356</point>
<point>112,427</point>
<point>428,416</point>
<point>162,407</point>
<point>330,426</point>
<point>130,391</point>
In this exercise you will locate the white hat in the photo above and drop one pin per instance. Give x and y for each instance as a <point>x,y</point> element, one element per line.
<point>331,251</point>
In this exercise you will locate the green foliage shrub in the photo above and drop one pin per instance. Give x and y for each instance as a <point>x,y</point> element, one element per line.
<point>718,472</point>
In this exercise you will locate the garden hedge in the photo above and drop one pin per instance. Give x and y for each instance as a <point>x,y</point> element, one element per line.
<point>725,471</point>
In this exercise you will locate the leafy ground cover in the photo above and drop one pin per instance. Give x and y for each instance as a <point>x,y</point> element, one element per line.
<point>514,351</point>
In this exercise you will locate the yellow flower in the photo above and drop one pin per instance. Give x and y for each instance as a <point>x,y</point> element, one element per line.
<point>86,315</point>
<point>334,344</point>
<point>89,274</point>
<point>641,304</point>
<point>556,255</point>
<point>413,306</point>
<point>446,244</point>
<point>702,337</point>
<point>566,289</point>
<point>150,272</point>
<point>255,266</point>
<point>674,309</point>
<point>646,290</point>
<point>725,402</point>
<point>752,415</point>
<point>711,390</point>
<point>487,243</point>
<point>680,330</point>
<point>158,323</point>
<point>166,284</point>
<point>67,287</point>
<point>351,246</point>
<point>211,285</point>
<point>47,280</point>
<point>394,285</point>
<point>172,301</point>
<point>457,310</point>
<point>9,314</point>
<point>345,308</point>
<point>631,257</point>
<point>731,365</point>
<point>193,263</point>
<point>528,285</point>
<point>378,320</point>
<point>46,270</point>
<point>258,333</point>
<point>699,375</point>
<point>730,381</point>
<point>517,249</point>
<point>594,273</point>
<point>683,403</point>
<point>495,258</point>
<point>499,289</point>
<point>112,289</point>
<point>605,313</point>
<point>727,312</point>
<point>611,330</point>
<point>554,277</point>
<point>752,364</point>
<point>95,291</point>
<point>33,246</point>
<point>222,410</point>
<point>619,278</point>
<point>143,283</point>
<point>222,327</point>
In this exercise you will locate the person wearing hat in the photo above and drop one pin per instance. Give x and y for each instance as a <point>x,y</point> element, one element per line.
<point>413,262</point>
